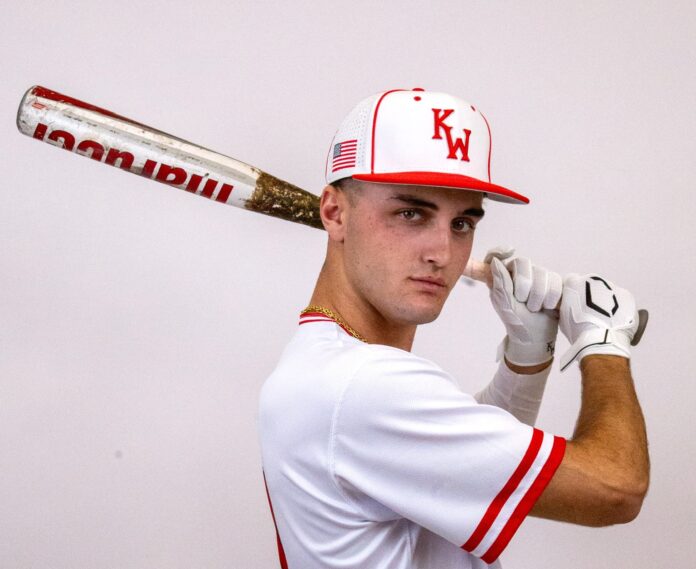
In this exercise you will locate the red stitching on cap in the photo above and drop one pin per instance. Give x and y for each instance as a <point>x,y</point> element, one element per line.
<point>374,126</point>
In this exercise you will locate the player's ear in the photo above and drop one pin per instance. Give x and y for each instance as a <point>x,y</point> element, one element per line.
<point>332,208</point>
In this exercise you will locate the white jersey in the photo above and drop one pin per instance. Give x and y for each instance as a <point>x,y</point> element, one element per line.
<point>375,459</point>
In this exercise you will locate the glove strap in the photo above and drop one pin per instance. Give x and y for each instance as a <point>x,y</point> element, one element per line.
<point>596,341</point>
<point>522,354</point>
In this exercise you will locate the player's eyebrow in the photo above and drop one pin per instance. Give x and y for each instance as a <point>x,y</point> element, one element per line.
<point>419,202</point>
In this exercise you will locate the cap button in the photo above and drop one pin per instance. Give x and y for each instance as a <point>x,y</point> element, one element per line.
<point>418,89</point>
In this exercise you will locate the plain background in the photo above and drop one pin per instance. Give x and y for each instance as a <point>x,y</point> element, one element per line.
<point>137,323</point>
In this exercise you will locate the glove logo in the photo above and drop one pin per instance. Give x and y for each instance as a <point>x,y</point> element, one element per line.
<point>598,299</point>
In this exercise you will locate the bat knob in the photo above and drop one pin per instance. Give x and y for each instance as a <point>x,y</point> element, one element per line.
<point>643,316</point>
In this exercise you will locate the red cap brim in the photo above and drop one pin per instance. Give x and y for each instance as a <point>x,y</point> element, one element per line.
<point>497,193</point>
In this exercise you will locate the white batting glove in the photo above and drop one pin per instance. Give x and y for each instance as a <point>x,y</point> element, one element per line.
<point>525,297</point>
<point>597,317</point>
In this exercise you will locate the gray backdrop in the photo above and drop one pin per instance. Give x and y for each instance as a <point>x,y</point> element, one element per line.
<point>137,322</point>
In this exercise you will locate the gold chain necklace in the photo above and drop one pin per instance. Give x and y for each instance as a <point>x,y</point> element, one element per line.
<point>335,317</point>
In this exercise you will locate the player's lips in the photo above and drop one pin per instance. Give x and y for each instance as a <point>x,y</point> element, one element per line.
<point>430,283</point>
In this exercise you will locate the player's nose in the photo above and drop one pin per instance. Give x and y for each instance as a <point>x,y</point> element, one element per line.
<point>437,245</point>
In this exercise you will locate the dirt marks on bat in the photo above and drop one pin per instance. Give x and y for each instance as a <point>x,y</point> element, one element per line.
<point>279,199</point>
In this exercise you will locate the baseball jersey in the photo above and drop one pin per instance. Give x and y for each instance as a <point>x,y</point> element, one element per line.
<point>374,458</point>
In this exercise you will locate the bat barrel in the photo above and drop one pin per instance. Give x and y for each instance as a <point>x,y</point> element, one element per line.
<point>103,136</point>
<point>108,138</point>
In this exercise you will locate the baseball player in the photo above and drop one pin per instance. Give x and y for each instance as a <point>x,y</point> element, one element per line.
<point>372,456</point>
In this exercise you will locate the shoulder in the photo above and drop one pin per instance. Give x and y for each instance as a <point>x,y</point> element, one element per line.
<point>393,364</point>
<point>321,344</point>
<point>390,377</point>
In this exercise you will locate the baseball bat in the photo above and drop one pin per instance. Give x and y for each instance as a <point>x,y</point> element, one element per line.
<point>103,136</point>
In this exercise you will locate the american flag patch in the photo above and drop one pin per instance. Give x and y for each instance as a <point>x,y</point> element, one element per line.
<point>344,154</point>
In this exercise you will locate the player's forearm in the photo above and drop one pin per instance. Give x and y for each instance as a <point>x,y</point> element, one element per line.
<point>604,474</point>
<point>518,393</point>
<point>610,439</point>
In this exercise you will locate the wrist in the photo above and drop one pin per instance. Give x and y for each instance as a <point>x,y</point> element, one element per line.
<point>527,370</point>
<point>526,354</point>
<point>600,361</point>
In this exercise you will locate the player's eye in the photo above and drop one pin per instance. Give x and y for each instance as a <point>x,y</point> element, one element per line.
<point>409,214</point>
<point>462,225</point>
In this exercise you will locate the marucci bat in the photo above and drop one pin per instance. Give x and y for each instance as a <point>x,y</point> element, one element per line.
<point>111,139</point>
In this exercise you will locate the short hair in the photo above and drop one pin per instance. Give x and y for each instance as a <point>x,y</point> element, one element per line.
<point>349,187</point>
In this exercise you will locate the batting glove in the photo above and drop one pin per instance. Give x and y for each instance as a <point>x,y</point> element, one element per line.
<point>596,317</point>
<point>525,297</point>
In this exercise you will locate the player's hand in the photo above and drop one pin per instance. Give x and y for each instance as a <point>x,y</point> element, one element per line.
<point>597,317</point>
<point>525,297</point>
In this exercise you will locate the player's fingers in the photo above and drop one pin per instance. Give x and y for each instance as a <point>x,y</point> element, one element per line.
<point>554,292</point>
<point>502,281</point>
<point>539,288</point>
<point>522,276</point>
<point>500,252</point>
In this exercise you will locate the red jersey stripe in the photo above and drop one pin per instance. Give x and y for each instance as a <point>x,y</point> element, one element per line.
<point>526,503</point>
<point>321,318</point>
<point>314,314</point>
<point>281,551</point>
<point>502,497</point>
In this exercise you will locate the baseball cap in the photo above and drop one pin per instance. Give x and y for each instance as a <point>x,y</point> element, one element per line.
<point>416,137</point>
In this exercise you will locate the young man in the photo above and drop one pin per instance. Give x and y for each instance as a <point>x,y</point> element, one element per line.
<point>373,457</point>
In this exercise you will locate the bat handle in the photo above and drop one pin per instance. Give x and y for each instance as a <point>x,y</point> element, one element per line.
<point>643,316</point>
<point>481,272</point>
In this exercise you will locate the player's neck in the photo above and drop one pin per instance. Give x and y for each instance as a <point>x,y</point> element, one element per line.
<point>333,292</point>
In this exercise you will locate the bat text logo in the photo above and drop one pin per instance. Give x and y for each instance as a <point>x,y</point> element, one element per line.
<point>166,173</point>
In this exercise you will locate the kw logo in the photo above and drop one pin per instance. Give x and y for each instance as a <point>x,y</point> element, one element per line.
<point>455,145</point>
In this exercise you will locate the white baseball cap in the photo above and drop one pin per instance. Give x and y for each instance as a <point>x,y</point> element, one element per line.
<point>416,137</point>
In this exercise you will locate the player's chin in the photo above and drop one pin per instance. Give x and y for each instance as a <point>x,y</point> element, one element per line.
<point>421,309</point>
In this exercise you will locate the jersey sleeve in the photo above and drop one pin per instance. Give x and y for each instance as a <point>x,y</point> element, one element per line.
<point>405,436</point>
<point>518,394</point>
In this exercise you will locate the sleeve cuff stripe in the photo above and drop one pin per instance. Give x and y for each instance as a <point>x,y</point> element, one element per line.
<point>525,505</point>
<point>502,497</point>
